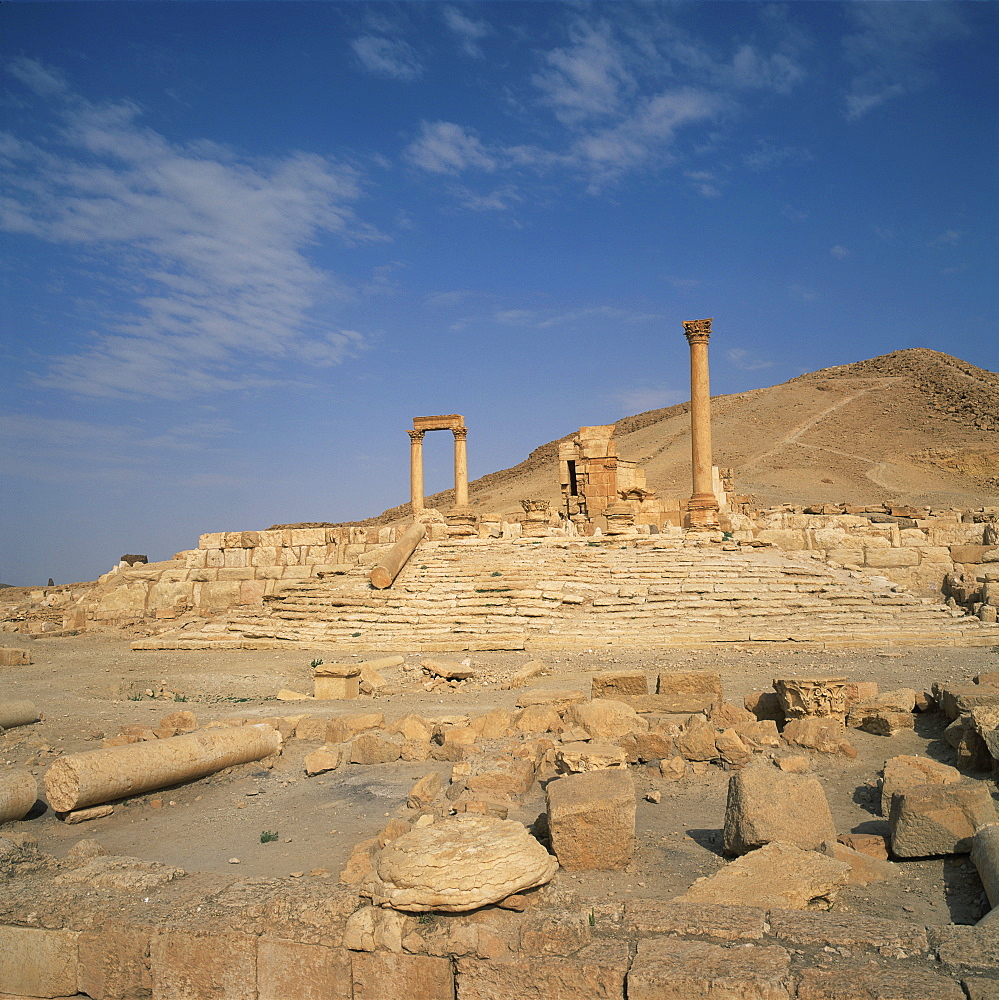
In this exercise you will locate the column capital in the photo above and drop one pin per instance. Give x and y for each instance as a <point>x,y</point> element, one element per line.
<point>697,331</point>
<point>415,436</point>
<point>460,433</point>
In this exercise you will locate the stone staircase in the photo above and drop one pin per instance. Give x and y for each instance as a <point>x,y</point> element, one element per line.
<point>537,594</point>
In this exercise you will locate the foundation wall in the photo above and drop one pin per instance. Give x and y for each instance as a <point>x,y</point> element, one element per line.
<point>243,944</point>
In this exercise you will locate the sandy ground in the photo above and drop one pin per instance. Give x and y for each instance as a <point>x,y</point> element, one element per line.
<point>88,686</point>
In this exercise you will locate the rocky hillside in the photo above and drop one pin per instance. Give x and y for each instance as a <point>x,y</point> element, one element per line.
<point>913,426</point>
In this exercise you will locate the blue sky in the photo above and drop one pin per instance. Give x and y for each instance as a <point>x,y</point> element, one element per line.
<point>245,243</point>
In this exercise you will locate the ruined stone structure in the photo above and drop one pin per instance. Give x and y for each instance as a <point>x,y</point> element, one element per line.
<point>455,423</point>
<point>593,477</point>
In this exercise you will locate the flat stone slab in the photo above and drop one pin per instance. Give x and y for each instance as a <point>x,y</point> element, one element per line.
<point>778,876</point>
<point>855,981</point>
<point>671,969</point>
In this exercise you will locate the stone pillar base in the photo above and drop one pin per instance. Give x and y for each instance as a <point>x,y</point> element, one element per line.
<point>462,522</point>
<point>702,511</point>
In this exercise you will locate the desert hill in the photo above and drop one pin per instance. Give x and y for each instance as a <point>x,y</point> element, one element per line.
<point>914,426</point>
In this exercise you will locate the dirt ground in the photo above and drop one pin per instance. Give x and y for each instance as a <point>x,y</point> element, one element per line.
<point>88,686</point>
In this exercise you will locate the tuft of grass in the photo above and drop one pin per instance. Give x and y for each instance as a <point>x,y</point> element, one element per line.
<point>316,663</point>
<point>496,573</point>
<point>593,919</point>
<point>135,696</point>
<point>268,836</point>
<point>180,697</point>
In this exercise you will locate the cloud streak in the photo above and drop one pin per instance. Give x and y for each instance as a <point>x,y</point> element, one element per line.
<point>214,248</point>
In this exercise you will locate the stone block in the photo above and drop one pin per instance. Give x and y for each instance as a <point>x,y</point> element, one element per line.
<point>766,804</point>
<point>821,696</point>
<point>880,721</point>
<point>765,705</point>
<point>688,691</point>
<point>375,748</point>
<point>290,970</point>
<point>198,965</point>
<point>697,740</point>
<point>728,923</point>
<point>671,969</point>
<point>778,876</point>
<point>936,819</point>
<point>560,700</point>
<point>591,818</point>
<point>848,930</point>
<point>613,683</point>
<point>980,988</point>
<point>596,972</point>
<point>536,719</point>
<point>905,771</point>
<point>38,963</point>
<point>643,747</point>
<point>864,869</point>
<point>964,947</point>
<point>863,981</point>
<point>891,558</point>
<point>326,758</point>
<point>605,719</point>
<point>337,688</point>
<point>114,962</point>
<point>343,728</point>
<point>575,758</point>
<point>380,975</point>
<point>827,735</point>
<point>958,699</point>
<point>12,657</point>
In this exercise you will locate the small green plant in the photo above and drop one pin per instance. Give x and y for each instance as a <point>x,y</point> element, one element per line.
<point>593,919</point>
<point>423,918</point>
<point>135,696</point>
<point>355,635</point>
<point>180,697</point>
<point>268,836</point>
<point>496,573</point>
<point>316,663</point>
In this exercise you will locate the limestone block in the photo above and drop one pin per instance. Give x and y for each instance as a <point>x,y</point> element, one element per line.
<point>575,758</point>
<point>871,844</point>
<point>192,965</point>
<point>731,749</point>
<point>787,539</point>
<point>525,674</point>
<point>905,771</point>
<point>328,688</point>
<point>688,691</point>
<point>379,975</point>
<point>930,820</point>
<point>597,972</point>
<point>326,758</point>
<point>860,691</point>
<point>863,868</point>
<point>612,683</point>
<point>494,724</point>
<point>38,963</point>
<point>812,696</point>
<point>696,742</point>
<point>858,980</point>
<point>725,923</point>
<point>507,778</point>
<point>673,969</point>
<point>891,558</point>
<point>827,735</point>
<point>851,930</point>
<point>777,875</point>
<point>643,747</point>
<point>447,669</point>
<point>537,719</point>
<point>220,594</point>
<point>343,728</point>
<point>766,804</point>
<point>881,721</point>
<point>591,819</point>
<point>605,719</point>
<point>211,540</point>
<point>957,699</point>
<point>114,961</point>
<point>425,791</point>
<point>308,536</point>
<point>758,735</point>
<point>458,864</point>
<point>727,714</point>
<point>560,700</point>
<point>673,768</point>
<point>411,727</point>
<point>312,729</point>
<point>375,748</point>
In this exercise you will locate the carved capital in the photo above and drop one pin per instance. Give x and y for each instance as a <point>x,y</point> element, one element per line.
<point>697,331</point>
<point>416,436</point>
<point>460,433</point>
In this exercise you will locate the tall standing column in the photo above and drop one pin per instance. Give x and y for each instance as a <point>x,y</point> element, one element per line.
<point>460,467</point>
<point>702,508</point>
<point>416,471</point>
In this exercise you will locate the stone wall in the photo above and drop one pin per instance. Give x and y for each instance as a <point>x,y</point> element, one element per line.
<point>230,569</point>
<point>916,553</point>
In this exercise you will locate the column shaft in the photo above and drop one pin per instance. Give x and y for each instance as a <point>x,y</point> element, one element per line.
<point>416,471</point>
<point>703,506</point>
<point>460,467</point>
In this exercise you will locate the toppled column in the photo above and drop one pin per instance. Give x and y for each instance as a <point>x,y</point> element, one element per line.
<point>389,566</point>
<point>85,779</point>
<point>17,713</point>
<point>18,793</point>
<point>985,857</point>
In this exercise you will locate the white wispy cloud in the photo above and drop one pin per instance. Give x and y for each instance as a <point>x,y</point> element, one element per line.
<point>948,238</point>
<point>469,31</point>
<point>839,252</point>
<point>889,48</point>
<point>447,148</point>
<point>705,182</point>
<point>642,398</point>
<point>742,359</point>
<point>393,58</point>
<point>212,247</point>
